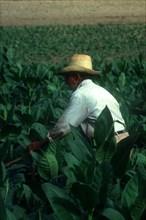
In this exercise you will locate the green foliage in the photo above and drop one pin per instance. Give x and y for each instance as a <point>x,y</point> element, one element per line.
<point>48,166</point>
<point>134,195</point>
<point>57,197</point>
<point>104,136</point>
<point>112,214</point>
<point>56,43</point>
<point>70,179</point>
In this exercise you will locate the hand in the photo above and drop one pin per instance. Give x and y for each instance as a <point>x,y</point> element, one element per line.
<point>55,135</point>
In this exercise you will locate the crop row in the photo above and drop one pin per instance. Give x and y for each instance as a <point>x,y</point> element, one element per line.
<point>56,43</point>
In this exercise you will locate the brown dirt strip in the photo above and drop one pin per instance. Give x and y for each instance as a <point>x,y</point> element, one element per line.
<point>69,12</point>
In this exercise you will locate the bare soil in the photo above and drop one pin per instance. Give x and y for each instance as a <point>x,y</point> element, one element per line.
<point>70,12</point>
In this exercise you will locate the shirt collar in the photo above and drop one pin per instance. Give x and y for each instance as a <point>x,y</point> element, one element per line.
<point>84,82</point>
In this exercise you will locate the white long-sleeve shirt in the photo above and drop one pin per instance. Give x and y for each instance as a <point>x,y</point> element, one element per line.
<point>84,107</point>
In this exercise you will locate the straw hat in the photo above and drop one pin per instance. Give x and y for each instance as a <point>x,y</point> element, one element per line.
<point>80,63</point>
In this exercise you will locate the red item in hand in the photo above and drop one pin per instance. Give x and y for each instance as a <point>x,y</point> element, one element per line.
<point>35,146</point>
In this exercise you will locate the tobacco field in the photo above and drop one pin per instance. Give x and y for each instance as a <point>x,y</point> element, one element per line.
<point>69,179</point>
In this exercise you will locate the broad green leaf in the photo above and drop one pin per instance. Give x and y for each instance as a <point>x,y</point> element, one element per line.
<point>79,146</point>
<point>130,192</point>
<point>139,209</point>
<point>73,170</point>
<point>27,193</point>
<point>62,203</point>
<point>40,129</point>
<point>115,191</point>
<point>106,151</point>
<point>48,166</point>
<point>79,170</point>
<point>6,214</point>
<point>141,159</point>
<point>104,129</point>
<point>2,173</point>
<point>87,196</point>
<point>134,194</point>
<point>23,139</point>
<point>103,181</point>
<point>76,173</point>
<point>19,212</point>
<point>97,178</point>
<point>36,157</point>
<point>71,159</point>
<point>10,215</point>
<point>120,158</point>
<point>71,177</point>
<point>113,214</point>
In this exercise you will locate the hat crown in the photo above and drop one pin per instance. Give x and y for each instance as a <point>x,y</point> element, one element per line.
<point>80,63</point>
<point>81,60</point>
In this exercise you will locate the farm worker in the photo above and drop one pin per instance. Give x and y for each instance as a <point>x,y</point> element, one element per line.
<point>86,103</point>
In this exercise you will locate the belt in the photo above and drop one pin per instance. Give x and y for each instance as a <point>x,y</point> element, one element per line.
<point>120,132</point>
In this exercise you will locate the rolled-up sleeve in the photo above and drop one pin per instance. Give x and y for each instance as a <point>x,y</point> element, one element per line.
<point>74,114</point>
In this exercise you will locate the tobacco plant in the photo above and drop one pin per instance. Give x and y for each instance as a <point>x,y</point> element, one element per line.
<point>70,178</point>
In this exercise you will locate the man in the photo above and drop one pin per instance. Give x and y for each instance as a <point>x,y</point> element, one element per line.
<point>86,103</point>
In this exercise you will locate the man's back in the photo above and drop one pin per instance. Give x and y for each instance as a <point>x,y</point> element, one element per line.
<point>95,98</point>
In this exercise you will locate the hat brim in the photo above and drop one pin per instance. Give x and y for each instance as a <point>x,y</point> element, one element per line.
<point>66,70</point>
